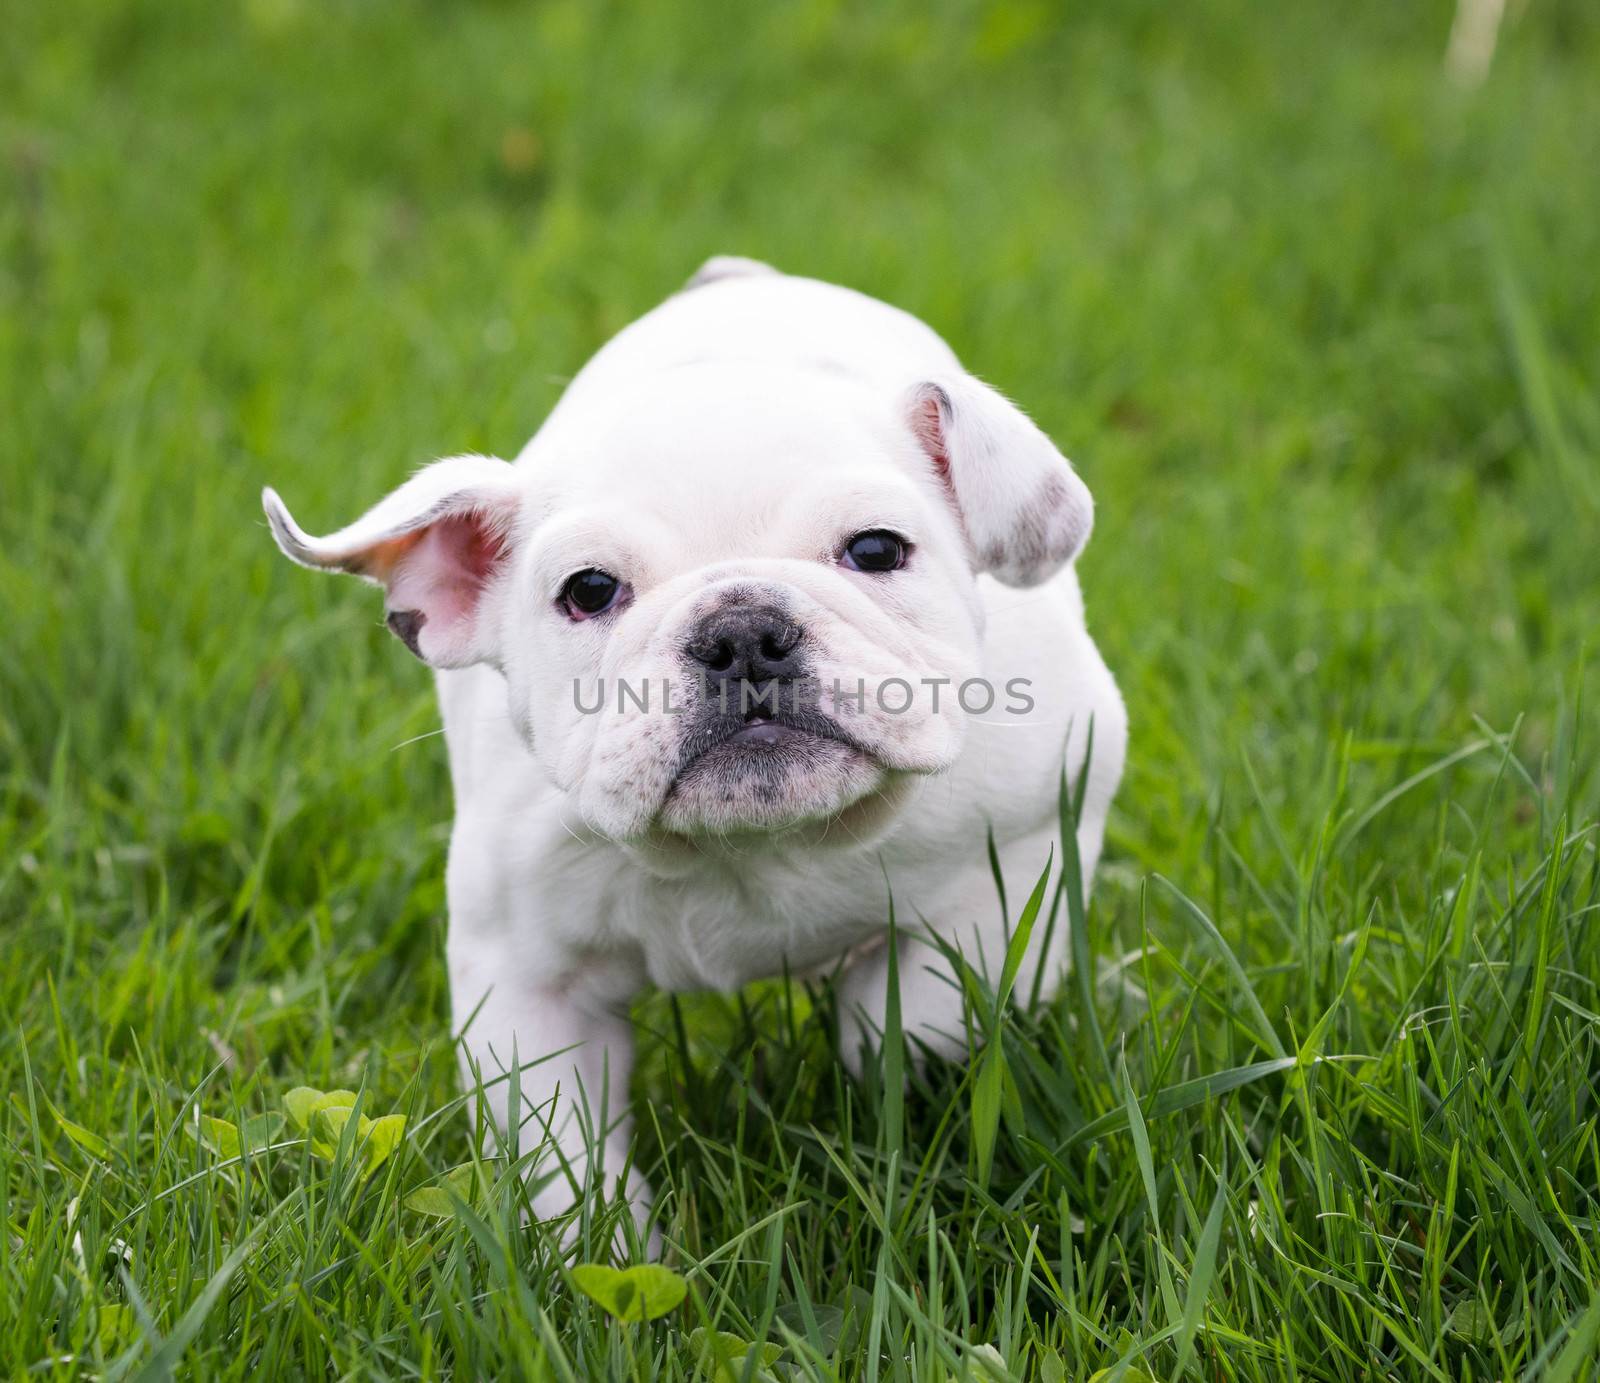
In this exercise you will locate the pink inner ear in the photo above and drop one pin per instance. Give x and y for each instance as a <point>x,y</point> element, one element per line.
<point>927,423</point>
<point>929,418</point>
<point>440,572</point>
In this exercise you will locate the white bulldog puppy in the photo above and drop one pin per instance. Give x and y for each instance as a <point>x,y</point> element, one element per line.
<point>774,616</point>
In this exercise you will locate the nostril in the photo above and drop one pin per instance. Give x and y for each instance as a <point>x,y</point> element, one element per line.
<point>745,643</point>
<point>718,656</point>
<point>779,641</point>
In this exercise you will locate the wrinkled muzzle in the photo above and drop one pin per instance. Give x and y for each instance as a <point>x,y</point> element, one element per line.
<point>756,706</point>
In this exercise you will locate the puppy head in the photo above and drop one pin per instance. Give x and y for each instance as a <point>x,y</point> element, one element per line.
<point>739,599</point>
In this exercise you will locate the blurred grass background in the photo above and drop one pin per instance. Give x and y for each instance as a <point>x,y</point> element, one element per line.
<point>1321,328</point>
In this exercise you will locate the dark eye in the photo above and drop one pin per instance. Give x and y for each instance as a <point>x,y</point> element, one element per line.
<point>590,592</point>
<point>875,550</point>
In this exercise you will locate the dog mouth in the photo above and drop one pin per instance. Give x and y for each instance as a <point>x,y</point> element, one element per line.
<point>767,766</point>
<point>765,740</point>
<point>760,736</point>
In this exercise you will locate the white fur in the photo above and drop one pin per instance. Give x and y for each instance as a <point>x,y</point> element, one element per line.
<point>727,443</point>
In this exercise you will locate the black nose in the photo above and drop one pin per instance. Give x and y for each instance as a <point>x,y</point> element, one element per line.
<point>749,643</point>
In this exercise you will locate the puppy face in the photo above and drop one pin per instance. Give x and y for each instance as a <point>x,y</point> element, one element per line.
<point>739,601</point>
<point>714,603</point>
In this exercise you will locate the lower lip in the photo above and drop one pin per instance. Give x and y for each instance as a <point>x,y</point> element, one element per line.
<point>766,734</point>
<point>762,747</point>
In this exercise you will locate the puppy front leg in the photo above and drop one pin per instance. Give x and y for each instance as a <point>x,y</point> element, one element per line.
<point>573,1045</point>
<point>966,915</point>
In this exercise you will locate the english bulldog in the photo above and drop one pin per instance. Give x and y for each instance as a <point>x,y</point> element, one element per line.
<point>775,618</point>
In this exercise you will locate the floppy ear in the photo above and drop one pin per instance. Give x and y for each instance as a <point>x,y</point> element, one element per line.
<point>1022,505</point>
<point>436,545</point>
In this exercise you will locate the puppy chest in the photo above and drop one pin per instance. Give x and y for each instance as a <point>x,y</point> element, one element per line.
<point>722,947</point>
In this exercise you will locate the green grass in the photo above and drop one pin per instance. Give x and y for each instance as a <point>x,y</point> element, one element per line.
<point>1321,330</point>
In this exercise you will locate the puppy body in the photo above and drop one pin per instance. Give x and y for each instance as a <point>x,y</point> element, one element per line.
<point>715,459</point>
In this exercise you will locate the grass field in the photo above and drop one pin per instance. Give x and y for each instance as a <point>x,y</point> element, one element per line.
<point>1322,331</point>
